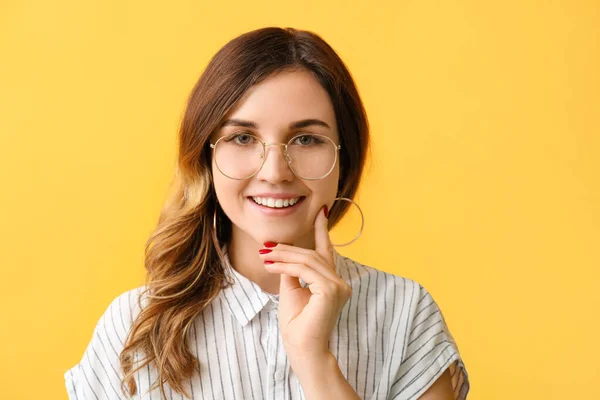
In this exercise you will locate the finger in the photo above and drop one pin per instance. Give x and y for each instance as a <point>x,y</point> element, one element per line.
<point>322,241</point>
<point>311,259</point>
<point>307,274</point>
<point>289,247</point>
<point>296,249</point>
<point>288,282</point>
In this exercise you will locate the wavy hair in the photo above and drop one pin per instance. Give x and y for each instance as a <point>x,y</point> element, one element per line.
<point>184,256</point>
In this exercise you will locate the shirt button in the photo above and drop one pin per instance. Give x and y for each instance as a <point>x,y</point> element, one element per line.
<point>279,375</point>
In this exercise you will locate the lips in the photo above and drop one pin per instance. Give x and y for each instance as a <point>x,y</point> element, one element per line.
<point>274,210</point>
<point>273,202</point>
<point>276,203</point>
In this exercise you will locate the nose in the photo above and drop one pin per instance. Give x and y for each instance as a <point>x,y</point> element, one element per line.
<point>275,168</point>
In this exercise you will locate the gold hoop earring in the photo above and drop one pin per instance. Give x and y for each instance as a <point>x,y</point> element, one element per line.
<point>362,223</point>
<point>215,220</point>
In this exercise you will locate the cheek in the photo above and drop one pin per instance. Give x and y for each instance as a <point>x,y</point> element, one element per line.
<point>333,182</point>
<point>325,191</point>
<point>221,186</point>
<point>225,190</point>
<point>229,192</point>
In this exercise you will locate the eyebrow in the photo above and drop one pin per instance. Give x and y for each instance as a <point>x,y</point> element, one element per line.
<point>294,125</point>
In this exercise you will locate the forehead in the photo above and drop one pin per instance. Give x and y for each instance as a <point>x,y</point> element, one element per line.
<point>283,98</point>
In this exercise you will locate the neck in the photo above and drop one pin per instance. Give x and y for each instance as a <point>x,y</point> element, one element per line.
<point>243,256</point>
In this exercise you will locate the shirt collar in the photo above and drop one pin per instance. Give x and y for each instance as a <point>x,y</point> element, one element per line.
<point>245,299</point>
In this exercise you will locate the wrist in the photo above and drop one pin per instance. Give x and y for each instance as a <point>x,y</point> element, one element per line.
<point>321,378</point>
<point>316,364</point>
<point>315,372</point>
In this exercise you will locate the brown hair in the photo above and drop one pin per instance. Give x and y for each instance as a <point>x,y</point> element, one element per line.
<point>183,256</point>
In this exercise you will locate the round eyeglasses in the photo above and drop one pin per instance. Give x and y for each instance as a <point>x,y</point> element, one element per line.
<point>309,156</point>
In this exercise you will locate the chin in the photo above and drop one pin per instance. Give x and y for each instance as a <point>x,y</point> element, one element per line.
<point>285,239</point>
<point>277,237</point>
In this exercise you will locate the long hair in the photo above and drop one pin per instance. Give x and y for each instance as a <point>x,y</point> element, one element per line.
<point>183,256</point>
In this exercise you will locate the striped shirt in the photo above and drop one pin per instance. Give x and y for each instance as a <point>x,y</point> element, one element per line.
<point>391,342</point>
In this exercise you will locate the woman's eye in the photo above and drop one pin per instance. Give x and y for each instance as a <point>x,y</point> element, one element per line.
<point>244,139</point>
<point>306,140</point>
<point>241,138</point>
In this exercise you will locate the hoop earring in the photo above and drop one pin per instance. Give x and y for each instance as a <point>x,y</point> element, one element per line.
<point>362,223</point>
<point>215,220</point>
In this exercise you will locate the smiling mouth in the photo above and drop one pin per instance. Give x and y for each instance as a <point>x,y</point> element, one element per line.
<point>277,204</point>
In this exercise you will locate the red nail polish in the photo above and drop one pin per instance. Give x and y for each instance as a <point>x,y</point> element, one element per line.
<point>326,212</point>
<point>265,251</point>
<point>270,244</point>
<point>269,262</point>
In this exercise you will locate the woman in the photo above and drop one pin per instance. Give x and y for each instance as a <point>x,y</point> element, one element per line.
<point>245,297</point>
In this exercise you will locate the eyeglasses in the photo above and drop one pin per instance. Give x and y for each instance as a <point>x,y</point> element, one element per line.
<point>309,156</point>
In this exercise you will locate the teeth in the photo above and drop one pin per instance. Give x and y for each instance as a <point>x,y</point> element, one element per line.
<point>275,203</point>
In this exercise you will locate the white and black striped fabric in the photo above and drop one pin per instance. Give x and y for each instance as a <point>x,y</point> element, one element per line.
<point>391,342</point>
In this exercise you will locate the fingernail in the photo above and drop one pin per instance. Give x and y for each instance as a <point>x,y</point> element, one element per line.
<point>326,211</point>
<point>270,244</point>
<point>265,251</point>
<point>269,262</point>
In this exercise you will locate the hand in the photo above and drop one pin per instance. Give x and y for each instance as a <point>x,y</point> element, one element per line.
<point>307,315</point>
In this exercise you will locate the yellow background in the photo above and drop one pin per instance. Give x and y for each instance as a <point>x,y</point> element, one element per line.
<point>483,185</point>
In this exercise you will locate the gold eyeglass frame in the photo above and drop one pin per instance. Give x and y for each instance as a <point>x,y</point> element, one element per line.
<point>288,159</point>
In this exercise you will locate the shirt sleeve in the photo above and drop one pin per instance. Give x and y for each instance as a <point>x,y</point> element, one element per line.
<point>98,374</point>
<point>430,350</point>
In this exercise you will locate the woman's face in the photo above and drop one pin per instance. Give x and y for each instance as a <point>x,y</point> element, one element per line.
<point>269,110</point>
